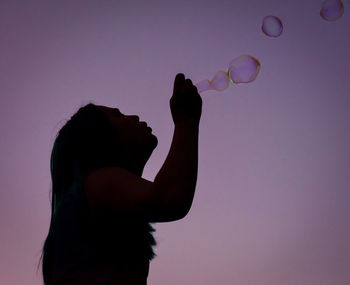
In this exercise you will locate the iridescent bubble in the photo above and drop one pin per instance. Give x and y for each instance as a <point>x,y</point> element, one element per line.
<point>243,69</point>
<point>219,82</point>
<point>203,85</point>
<point>272,26</point>
<point>332,10</point>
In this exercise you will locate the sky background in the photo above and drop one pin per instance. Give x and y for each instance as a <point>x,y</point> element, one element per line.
<point>272,198</point>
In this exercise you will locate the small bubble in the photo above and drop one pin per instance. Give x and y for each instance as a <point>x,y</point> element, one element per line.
<point>203,85</point>
<point>332,10</point>
<point>220,81</point>
<point>243,69</point>
<point>272,26</point>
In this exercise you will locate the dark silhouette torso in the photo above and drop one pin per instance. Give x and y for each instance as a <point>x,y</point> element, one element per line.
<point>103,249</point>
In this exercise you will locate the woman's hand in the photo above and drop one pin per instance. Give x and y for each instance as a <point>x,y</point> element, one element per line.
<point>186,103</point>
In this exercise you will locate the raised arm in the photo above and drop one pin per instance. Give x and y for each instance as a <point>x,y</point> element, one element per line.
<point>175,182</point>
<point>170,196</point>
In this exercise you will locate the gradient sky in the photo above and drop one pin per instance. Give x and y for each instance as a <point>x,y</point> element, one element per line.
<point>272,199</point>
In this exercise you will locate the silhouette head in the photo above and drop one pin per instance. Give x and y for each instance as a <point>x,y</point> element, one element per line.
<point>135,139</point>
<point>95,137</point>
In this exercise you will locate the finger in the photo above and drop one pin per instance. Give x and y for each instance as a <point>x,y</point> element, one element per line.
<point>195,89</point>
<point>178,82</point>
<point>188,82</point>
<point>189,87</point>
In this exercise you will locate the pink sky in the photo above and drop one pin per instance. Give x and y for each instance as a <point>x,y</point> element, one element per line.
<point>272,199</point>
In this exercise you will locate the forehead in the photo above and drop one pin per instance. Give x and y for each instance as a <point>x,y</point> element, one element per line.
<point>107,110</point>
<point>104,108</point>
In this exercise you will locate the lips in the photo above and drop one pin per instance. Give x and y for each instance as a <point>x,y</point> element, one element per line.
<point>144,124</point>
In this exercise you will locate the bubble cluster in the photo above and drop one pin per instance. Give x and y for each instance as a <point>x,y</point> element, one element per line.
<point>243,69</point>
<point>272,26</point>
<point>332,10</point>
<point>219,82</point>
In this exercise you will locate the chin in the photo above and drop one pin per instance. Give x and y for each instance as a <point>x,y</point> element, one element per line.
<point>149,147</point>
<point>153,141</point>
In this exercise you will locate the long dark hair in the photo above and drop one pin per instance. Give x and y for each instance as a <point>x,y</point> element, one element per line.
<point>86,142</point>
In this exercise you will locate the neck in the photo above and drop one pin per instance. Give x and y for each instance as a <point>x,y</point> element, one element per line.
<point>134,166</point>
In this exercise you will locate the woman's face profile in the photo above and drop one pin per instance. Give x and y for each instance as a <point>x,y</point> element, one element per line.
<point>135,136</point>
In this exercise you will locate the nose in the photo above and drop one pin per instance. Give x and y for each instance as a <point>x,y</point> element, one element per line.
<point>135,118</point>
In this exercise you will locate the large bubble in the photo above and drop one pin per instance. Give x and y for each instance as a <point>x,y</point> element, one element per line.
<point>272,26</point>
<point>243,69</point>
<point>332,10</point>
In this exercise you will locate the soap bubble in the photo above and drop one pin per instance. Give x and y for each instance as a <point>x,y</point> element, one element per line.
<point>272,26</point>
<point>332,10</point>
<point>243,69</point>
<point>219,82</point>
<point>203,85</point>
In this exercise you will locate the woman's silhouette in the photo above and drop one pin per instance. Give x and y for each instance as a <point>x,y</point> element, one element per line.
<point>100,230</point>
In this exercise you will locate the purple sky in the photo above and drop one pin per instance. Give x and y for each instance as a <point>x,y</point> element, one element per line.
<point>272,199</point>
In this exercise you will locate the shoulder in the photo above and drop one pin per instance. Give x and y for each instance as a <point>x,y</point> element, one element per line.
<point>116,189</point>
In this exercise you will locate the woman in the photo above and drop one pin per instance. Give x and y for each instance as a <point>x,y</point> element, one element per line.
<point>101,206</point>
